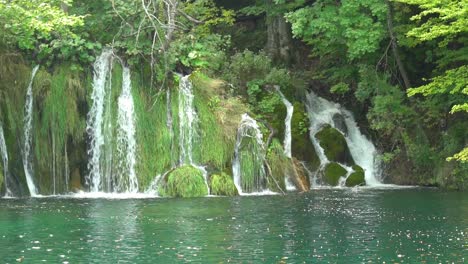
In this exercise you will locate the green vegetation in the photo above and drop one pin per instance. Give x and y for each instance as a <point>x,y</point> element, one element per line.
<point>280,165</point>
<point>216,145</point>
<point>332,173</point>
<point>400,66</point>
<point>185,182</point>
<point>153,136</point>
<point>222,184</point>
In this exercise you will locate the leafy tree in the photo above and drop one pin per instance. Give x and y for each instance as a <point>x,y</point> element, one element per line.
<point>446,22</point>
<point>45,28</point>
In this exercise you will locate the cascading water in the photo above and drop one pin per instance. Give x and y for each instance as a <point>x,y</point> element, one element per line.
<point>126,142</point>
<point>95,122</point>
<point>4,156</point>
<point>188,120</point>
<point>249,156</point>
<point>322,112</point>
<point>287,133</point>
<point>111,170</point>
<point>28,118</point>
<point>188,125</point>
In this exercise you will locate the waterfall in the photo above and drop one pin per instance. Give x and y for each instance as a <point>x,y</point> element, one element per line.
<point>111,170</point>
<point>95,122</point>
<point>126,142</point>
<point>170,125</point>
<point>28,118</point>
<point>322,112</point>
<point>4,156</point>
<point>287,133</point>
<point>287,123</point>
<point>188,120</point>
<point>188,125</point>
<point>249,154</point>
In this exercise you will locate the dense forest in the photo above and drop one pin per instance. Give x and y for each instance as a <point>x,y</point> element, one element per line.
<point>399,66</point>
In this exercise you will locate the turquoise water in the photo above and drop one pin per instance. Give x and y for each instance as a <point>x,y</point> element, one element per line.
<point>326,226</point>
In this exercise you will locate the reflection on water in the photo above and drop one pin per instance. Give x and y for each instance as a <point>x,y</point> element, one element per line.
<point>413,225</point>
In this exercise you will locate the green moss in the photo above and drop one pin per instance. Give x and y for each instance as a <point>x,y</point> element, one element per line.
<point>252,165</point>
<point>58,122</point>
<point>334,145</point>
<point>14,75</point>
<point>222,184</point>
<point>302,147</point>
<point>186,181</point>
<point>332,173</point>
<point>279,165</point>
<point>357,177</point>
<point>216,137</point>
<point>154,140</point>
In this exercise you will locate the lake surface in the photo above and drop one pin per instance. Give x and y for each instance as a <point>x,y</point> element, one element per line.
<point>334,225</point>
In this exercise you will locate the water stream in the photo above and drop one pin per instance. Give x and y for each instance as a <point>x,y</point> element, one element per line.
<point>27,154</point>
<point>287,143</point>
<point>188,126</point>
<point>322,112</point>
<point>111,170</point>
<point>4,156</point>
<point>249,158</point>
<point>126,141</point>
<point>95,122</point>
<point>188,120</point>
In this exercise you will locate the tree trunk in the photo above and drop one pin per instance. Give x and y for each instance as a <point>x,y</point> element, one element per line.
<point>279,40</point>
<point>64,7</point>
<point>394,45</point>
<point>171,22</point>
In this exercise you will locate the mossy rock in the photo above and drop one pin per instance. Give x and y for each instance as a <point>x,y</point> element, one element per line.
<point>356,178</point>
<point>222,184</point>
<point>186,181</point>
<point>334,145</point>
<point>302,147</point>
<point>332,173</point>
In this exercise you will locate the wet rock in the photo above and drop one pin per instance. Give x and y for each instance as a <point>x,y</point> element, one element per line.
<point>75,181</point>
<point>340,124</point>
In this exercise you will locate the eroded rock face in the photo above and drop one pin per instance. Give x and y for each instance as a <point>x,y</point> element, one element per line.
<point>332,173</point>
<point>75,182</point>
<point>340,124</point>
<point>334,145</point>
<point>300,179</point>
